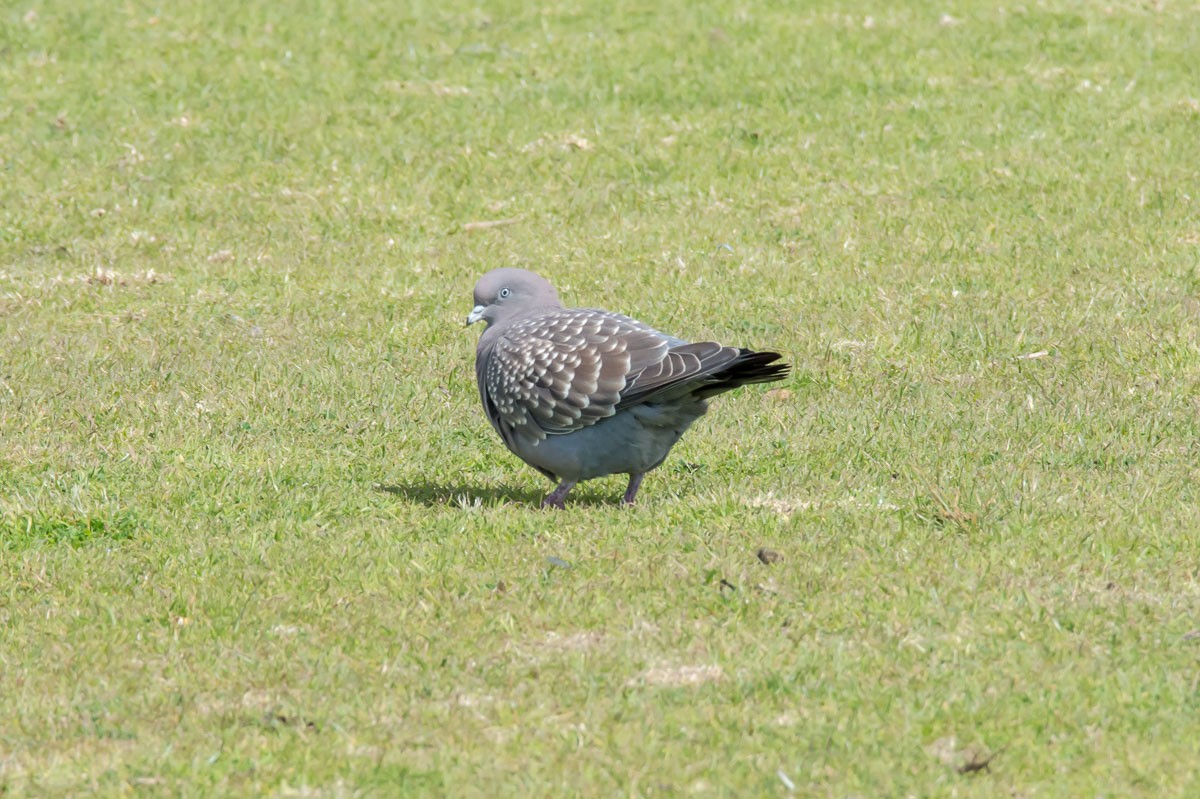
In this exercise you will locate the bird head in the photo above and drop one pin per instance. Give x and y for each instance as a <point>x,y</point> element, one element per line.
<point>506,293</point>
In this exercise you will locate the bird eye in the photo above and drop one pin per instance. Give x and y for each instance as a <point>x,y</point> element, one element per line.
<point>504,293</point>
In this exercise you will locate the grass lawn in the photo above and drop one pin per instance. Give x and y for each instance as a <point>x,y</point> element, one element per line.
<point>257,538</point>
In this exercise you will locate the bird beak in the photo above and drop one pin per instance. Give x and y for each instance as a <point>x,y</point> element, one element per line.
<point>475,315</point>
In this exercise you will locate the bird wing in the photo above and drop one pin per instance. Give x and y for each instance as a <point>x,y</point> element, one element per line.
<point>681,371</point>
<point>566,369</point>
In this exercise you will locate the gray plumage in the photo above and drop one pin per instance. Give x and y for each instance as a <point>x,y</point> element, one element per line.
<point>579,393</point>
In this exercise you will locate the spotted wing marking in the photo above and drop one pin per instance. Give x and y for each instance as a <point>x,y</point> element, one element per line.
<point>566,369</point>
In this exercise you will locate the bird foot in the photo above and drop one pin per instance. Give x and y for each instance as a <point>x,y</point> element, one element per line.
<point>558,497</point>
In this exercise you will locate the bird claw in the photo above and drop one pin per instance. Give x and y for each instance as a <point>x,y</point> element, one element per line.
<point>558,497</point>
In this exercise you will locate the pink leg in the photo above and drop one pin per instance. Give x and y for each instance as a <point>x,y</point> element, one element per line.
<point>557,498</point>
<point>635,482</point>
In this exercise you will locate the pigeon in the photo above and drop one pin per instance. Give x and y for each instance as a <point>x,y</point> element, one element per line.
<point>580,393</point>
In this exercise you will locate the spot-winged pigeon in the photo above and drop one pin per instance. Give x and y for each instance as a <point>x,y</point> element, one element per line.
<point>579,393</point>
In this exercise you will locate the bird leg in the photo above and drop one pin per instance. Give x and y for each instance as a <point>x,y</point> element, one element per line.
<point>635,482</point>
<point>557,498</point>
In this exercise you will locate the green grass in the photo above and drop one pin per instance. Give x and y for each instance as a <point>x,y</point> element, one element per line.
<point>256,537</point>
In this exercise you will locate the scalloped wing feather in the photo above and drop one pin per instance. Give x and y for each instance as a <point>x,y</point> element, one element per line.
<point>564,370</point>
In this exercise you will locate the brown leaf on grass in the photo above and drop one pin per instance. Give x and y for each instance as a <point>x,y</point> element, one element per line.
<point>779,394</point>
<point>768,556</point>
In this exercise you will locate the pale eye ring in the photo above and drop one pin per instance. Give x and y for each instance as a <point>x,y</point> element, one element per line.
<point>504,293</point>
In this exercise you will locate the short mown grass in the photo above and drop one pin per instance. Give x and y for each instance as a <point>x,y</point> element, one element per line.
<point>256,537</point>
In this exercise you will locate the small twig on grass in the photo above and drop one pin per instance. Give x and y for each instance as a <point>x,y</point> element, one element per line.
<point>487,224</point>
<point>975,762</point>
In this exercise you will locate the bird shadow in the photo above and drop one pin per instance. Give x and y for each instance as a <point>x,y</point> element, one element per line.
<point>434,495</point>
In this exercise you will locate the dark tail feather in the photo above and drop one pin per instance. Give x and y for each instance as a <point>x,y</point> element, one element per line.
<point>748,367</point>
